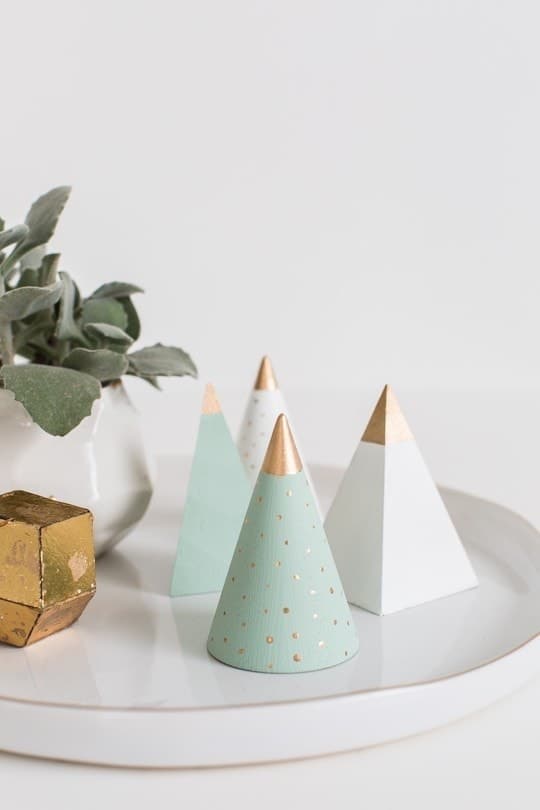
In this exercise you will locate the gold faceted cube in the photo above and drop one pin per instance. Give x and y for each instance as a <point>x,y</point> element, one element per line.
<point>47,566</point>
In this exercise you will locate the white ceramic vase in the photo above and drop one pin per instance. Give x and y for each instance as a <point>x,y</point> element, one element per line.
<point>101,464</point>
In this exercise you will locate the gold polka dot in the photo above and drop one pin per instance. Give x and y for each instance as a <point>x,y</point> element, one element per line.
<point>239,550</point>
<point>279,517</point>
<point>277,563</point>
<point>246,455</point>
<point>225,639</point>
<point>322,569</point>
<point>246,521</point>
<point>224,612</point>
<point>252,565</point>
<point>269,639</point>
<point>285,542</point>
<point>346,653</point>
<point>244,624</point>
<point>297,657</point>
<point>307,504</point>
<point>286,610</point>
<point>265,610</point>
<point>259,499</point>
<point>296,635</point>
<point>335,621</point>
<point>244,596</point>
<point>348,623</point>
<point>321,643</point>
<point>233,579</point>
<point>269,666</point>
<point>241,651</point>
<point>289,493</point>
<point>261,535</point>
<point>296,577</point>
<point>331,590</point>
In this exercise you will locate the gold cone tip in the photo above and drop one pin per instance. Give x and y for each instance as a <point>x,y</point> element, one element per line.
<point>266,379</point>
<point>282,457</point>
<point>210,404</point>
<point>387,424</point>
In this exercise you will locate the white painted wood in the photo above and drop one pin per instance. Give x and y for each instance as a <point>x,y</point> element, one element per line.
<point>393,541</point>
<point>262,410</point>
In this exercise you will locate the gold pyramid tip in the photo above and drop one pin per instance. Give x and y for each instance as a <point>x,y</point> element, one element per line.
<point>387,424</point>
<point>282,456</point>
<point>266,379</point>
<point>210,402</point>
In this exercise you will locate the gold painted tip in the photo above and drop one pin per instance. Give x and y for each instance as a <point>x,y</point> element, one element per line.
<point>210,402</point>
<point>282,456</point>
<point>387,424</point>
<point>266,379</point>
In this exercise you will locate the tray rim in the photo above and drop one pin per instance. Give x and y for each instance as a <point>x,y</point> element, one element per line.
<point>281,703</point>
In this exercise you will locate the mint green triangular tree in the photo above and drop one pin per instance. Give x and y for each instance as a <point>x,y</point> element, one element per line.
<point>282,608</point>
<point>218,492</point>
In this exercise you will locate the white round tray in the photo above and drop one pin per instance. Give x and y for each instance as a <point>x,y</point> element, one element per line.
<point>132,684</point>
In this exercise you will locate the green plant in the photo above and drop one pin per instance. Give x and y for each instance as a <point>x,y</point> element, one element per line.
<point>72,345</point>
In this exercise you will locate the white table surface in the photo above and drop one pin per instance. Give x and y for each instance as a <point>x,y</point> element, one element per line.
<point>489,444</point>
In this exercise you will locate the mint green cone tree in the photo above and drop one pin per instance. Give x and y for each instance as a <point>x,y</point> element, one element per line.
<point>218,493</point>
<point>282,607</point>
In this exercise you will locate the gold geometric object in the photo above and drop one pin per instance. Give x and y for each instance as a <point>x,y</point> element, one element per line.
<point>387,424</point>
<point>282,456</point>
<point>210,403</point>
<point>266,379</point>
<point>47,566</point>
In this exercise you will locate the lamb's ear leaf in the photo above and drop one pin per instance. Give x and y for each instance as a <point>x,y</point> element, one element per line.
<point>151,380</point>
<point>162,361</point>
<point>56,398</point>
<point>133,327</point>
<point>24,301</point>
<point>104,310</point>
<point>116,289</point>
<point>41,222</point>
<point>107,336</point>
<point>103,364</point>
<point>13,235</point>
<point>66,328</point>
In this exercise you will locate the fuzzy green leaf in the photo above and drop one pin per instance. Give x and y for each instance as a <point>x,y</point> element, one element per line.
<point>56,398</point>
<point>66,328</point>
<point>162,361</point>
<point>28,278</point>
<point>108,333</point>
<point>116,289</point>
<point>13,235</point>
<point>41,221</point>
<point>133,327</point>
<point>24,301</point>
<point>33,258</point>
<point>104,310</point>
<point>103,364</point>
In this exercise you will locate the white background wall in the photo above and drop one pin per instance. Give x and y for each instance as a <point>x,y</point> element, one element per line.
<point>352,187</point>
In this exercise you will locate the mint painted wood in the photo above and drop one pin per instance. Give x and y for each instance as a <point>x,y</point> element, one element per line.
<point>217,498</point>
<point>282,608</point>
